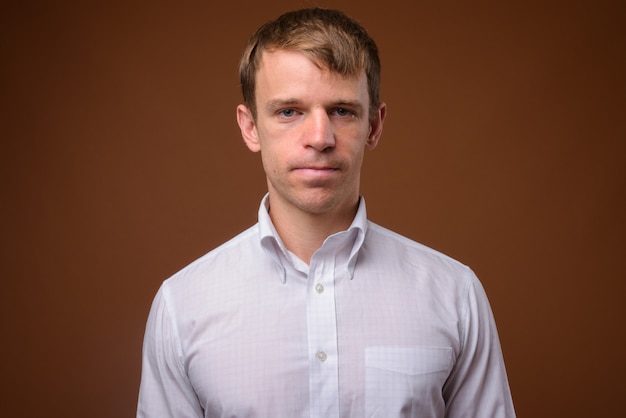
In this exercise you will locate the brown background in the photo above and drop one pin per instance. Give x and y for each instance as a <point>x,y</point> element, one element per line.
<point>122,162</point>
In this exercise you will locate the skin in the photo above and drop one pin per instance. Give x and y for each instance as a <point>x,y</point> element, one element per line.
<point>312,129</point>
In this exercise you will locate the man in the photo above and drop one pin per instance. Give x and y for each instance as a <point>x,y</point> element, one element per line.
<point>315,311</point>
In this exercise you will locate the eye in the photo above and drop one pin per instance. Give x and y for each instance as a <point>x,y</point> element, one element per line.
<point>287,113</point>
<point>343,112</point>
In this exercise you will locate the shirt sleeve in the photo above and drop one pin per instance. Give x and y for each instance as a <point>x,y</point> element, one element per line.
<point>478,385</point>
<point>165,389</point>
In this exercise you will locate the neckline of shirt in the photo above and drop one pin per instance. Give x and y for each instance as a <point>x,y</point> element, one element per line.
<point>353,238</point>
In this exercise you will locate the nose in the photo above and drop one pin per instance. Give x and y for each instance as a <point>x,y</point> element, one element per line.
<point>320,134</point>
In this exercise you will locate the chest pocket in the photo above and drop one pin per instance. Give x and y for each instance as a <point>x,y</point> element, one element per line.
<point>406,381</point>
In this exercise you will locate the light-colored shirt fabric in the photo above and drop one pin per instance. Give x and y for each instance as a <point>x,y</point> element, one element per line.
<point>376,325</point>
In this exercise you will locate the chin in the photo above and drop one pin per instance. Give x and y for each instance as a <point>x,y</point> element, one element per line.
<point>320,203</point>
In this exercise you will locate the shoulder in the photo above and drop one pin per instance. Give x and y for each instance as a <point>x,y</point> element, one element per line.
<point>211,279</point>
<point>217,263</point>
<point>415,264</point>
<point>420,271</point>
<point>397,246</point>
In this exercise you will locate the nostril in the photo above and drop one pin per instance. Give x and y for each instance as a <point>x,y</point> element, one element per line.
<point>321,134</point>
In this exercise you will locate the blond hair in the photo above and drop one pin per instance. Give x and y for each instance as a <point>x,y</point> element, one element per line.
<point>331,39</point>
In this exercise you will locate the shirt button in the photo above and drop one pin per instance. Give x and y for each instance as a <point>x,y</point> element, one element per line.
<point>321,356</point>
<point>319,288</point>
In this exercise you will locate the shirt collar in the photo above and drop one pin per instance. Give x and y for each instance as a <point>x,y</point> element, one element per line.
<point>273,245</point>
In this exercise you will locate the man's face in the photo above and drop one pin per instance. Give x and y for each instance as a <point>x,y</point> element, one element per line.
<point>312,127</point>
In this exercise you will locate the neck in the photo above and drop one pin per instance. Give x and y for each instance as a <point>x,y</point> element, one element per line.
<point>304,233</point>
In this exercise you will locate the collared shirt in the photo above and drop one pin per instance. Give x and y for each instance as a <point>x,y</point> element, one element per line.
<point>376,325</point>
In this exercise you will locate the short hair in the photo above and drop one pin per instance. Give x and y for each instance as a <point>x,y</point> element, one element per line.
<point>330,38</point>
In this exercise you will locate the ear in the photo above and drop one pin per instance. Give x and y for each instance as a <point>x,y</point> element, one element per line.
<point>376,127</point>
<point>247,125</point>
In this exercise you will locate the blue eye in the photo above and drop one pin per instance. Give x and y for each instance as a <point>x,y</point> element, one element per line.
<point>288,113</point>
<point>342,112</point>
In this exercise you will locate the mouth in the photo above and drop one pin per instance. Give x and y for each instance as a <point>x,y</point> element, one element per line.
<point>316,172</point>
<point>317,168</point>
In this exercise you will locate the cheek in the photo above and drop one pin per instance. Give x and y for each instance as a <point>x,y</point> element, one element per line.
<point>355,148</point>
<point>356,137</point>
<point>271,160</point>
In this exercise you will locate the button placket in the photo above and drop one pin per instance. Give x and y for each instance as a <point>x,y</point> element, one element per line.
<point>322,327</point>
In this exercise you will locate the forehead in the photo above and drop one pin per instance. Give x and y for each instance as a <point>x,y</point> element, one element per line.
<point>286,71</point>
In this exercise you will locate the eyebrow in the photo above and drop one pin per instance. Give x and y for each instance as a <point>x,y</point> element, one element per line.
<point>274,105</point>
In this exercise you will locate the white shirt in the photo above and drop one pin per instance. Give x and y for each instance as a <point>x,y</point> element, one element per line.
<point>376,326</point>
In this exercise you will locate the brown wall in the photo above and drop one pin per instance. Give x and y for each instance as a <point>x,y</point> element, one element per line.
<point>122,162</point>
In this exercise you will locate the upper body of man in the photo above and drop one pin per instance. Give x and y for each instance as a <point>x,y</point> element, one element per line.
<point>315,311</point>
